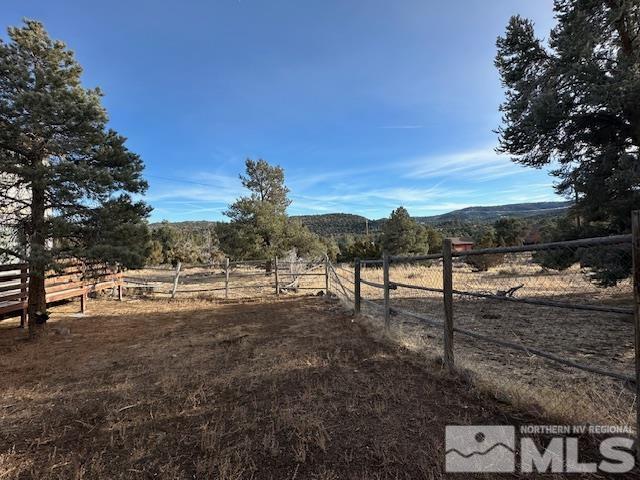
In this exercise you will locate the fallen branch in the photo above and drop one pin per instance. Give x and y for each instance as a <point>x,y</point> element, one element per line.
<point>126,408</point>
<point>510,292</point>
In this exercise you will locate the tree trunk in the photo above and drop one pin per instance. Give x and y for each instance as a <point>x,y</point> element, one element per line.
<point>37,301</point>
<point>37,304</point>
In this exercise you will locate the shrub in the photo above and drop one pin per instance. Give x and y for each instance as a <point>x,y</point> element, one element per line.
<point>559,259</point>
<point>482,263</point>
<point>607,265</point>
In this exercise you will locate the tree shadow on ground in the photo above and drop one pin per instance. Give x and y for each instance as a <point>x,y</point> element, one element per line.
<point>290,389</point>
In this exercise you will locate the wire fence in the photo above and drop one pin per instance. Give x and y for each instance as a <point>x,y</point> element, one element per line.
<point>230,279</point>
<point>550,327</point>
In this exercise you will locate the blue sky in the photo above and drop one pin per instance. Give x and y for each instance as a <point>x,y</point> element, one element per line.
<point>367,104</point>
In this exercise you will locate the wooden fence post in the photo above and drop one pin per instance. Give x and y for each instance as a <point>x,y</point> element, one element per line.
<point>387,300</point>
<point>226,277</point>
<point>635,246</point>
<point>120,279</point>
<point>175,280</point>
<point>326,274</point>
<point>24,278</point>
<point>83,303</point>
<point>447,286</point>
<point>356,286</point>
<point>275,264</point>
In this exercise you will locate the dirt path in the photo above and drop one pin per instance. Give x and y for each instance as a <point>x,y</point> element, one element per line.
<point>153,389</point>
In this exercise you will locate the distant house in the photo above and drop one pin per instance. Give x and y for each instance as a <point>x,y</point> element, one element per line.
<point>461,244</point>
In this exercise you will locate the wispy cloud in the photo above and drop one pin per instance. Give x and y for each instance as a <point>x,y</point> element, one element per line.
<point>426,185</point>
<point>304,181</point>
<point>481,165</point>
<point>332,178</point>
<point>359,199</point>
<point>394,194</point>
<point>202,188</point>
<point>401,127</point>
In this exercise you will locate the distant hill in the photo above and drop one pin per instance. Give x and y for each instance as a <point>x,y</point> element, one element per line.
<point>337,223</point>
<point>193,225</point>
<point>344,223</point>
<point>490,214</point>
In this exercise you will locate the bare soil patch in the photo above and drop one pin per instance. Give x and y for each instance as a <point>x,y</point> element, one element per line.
<point>193,390</point>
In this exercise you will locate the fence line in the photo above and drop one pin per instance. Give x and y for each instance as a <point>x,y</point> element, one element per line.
<point>447,262</point>
<point>348,294</point>
<point>75,280</point>
<point>635,256</point>
<point>352,282</point>
<point>281,275</point>
<point>447,293</point>
<point>373,284</point>
<point>504,298</point>
<point>586,242</point>
<point>613,240</point>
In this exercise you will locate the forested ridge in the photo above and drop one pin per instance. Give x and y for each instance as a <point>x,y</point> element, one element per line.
<point>348,223</point>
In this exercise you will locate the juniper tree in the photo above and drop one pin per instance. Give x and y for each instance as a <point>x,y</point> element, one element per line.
<point>486,238</point>
<point>511,231</point>
<point>66,178</point>
<point>575,103</point>
<point>362,246</point>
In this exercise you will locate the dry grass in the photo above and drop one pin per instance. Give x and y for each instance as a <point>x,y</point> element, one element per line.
<point>245,282</point>
<point>593,338</point>
<point>294,389</point>
<point>570,284</point>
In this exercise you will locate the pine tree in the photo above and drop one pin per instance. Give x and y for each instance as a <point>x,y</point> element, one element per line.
<point>260,227</point>
<point>402,235</point>
<point>259,219</point>
<point>575,103</point>
<point>66,178</point>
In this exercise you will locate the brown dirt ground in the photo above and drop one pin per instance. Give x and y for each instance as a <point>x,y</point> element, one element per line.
<point>597,339</point>
<point>192,390</point>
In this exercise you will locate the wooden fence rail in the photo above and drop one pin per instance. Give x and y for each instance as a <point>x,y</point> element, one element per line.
<point>77,280</point>
<point>448,292</point>
<point>227,275</point>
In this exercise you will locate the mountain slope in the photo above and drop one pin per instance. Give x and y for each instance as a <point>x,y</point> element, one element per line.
<point>188,225</point>
<point>492,213</point>
<point>344,223</point>
<point>336,223</point>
